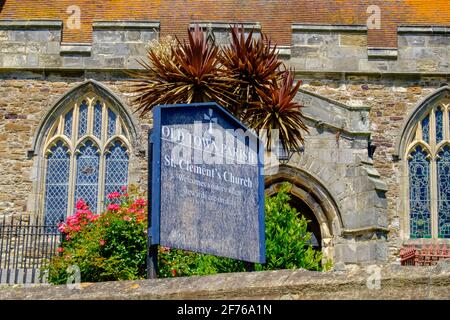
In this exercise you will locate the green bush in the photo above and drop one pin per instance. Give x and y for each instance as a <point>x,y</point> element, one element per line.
<point>106,247</point>
<point>112,246</point>
<point>287,236</point>
<point>286,246</point>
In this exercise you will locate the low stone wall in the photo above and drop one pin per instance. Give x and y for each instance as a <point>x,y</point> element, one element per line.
<point>389,282</point>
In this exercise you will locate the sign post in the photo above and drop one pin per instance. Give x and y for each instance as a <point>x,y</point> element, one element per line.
<point>207,186</point>
<point>152,249</point>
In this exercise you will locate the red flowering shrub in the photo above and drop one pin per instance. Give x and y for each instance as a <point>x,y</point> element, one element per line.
<point>105,247</point>
<point>113,245</point>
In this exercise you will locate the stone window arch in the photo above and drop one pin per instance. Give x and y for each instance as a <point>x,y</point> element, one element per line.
<point>426,166</point>
<point>83,149</point>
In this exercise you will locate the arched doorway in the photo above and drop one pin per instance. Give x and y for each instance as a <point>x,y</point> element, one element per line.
<point>311,199</point>
<point>313,225</point>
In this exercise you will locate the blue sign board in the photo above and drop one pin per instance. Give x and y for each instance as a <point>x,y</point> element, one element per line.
<point>207,188</point>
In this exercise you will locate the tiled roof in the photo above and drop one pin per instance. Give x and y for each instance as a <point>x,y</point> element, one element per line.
<point>275,16</point>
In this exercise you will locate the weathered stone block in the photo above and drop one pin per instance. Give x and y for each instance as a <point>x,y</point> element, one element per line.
<point>132,36</point>
<point>4,35</point>
<point>11,47</point>
<point>35,47</point>
<point>357,40</point>
<point>366,252</point>
<point>32,60</point>
<point>137,49</point>
<point>108,36</point>
<point>132,63</point>
<point>427,65</point>
<point>148,35</point>
<point>304,51</point>
<point>39,35</point>
<point>91,62</point>
<point>53,47</point>
<point>72,62</point>
<point>411,41</point>
<point>17,127</point>
<point>346,253</point>
<point>114,62</point>
<point>298,38</point>
<point>315,40</point>
<point>14,60</point>
<point>50,61</point>
<point>439,41</point>
<point>112,49</point>
<point>347,53</point>
<point>17,35</point>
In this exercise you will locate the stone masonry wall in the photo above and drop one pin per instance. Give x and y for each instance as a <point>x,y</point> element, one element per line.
<point>394,282</point>
<point>390,102</point>
<point>345,49</point>
<point>333,61</point>
<point>314,48</point>
<point>24,100</point>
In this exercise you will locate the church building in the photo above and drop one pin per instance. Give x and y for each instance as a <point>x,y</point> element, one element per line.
<point>373,175</point>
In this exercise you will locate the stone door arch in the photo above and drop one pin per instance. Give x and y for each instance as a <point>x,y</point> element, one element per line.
<point>310,191</point>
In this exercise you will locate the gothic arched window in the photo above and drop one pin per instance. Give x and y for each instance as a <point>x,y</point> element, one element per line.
<point>86,157</point>
<point>428,170</point>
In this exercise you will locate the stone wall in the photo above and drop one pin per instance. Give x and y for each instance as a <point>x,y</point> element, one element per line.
<point>345,49</point>
<point>25,100</point>
<point>38,44</point>
<point>352,94</point>
<point>119,44</point>
<point>338,182</point>
<point>26,97</point>
<point>390,101</point>
<point>394,282</point>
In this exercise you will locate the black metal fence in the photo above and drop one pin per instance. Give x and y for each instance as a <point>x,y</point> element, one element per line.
<point>26,244</point>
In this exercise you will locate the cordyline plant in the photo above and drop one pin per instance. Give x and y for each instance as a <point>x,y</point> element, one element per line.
<point>246,77</point>
<point>278,110</point>
<point>255,64</point>
<point>190,73</point>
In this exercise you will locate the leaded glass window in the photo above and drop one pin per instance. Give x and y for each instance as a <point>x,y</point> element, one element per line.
<point>426,129</point>
<point>443,178</point>
<point>111,123</point>
<point>87,174</point>
<point>428,170</point>
<point>86,156</point>
<point>419,192</point>
<point>98,120</point>
<point>116,167</point>
<point>68,123</point>
<point>439,125</point>
<point>57,182</point>
<point>82,123</point>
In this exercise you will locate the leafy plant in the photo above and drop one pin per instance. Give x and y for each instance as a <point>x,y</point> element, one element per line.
<point>247,77</point>
<point>255,64</point>
<point>287,236</point>
<point>190,73</point>
<point>278,110</point>
<point>113,245</point>
<point>110,246</point>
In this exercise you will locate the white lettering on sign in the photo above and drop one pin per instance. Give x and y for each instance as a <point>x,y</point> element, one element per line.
<point>214,149</point>
<point>206,172</point>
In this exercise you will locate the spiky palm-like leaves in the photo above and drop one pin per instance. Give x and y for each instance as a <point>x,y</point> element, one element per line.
<point>191,73</point>
<point>254,63</point>
<point>279,111</point>
<point>247,78</point>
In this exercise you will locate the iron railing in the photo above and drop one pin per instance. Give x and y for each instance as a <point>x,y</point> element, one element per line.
<point>423,255</point>
<point>26,244</point>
